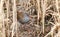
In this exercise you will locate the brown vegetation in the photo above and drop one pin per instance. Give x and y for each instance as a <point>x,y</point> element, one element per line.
<point>43,18</point>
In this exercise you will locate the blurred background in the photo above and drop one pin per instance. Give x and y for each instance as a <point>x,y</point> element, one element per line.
<point>29,18</point>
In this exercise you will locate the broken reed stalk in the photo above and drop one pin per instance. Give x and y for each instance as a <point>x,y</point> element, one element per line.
<point>7,6</point>
<point>15,16</point>
<point>2,12</point>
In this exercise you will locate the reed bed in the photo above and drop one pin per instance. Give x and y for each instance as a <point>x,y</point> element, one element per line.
<point>44,22</point>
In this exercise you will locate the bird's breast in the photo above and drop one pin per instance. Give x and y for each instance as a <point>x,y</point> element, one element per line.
<point>23,18</point>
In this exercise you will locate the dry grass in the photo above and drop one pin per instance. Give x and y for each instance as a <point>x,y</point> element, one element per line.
<point>44,22</point>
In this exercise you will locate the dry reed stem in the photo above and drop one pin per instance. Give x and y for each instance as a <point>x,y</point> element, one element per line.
<point>7,6</point>
<point>49,7</point>
<point>38,2</point>
<point>57,7</point>
<point>2,12</point>
<point>43,5</point>
<point>39,12</point>
<point>14,17</point>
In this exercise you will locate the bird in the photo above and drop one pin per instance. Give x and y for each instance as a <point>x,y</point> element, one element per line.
<point>22,17</point>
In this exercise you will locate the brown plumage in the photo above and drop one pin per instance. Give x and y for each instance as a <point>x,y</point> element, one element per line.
<point>22,17</point>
